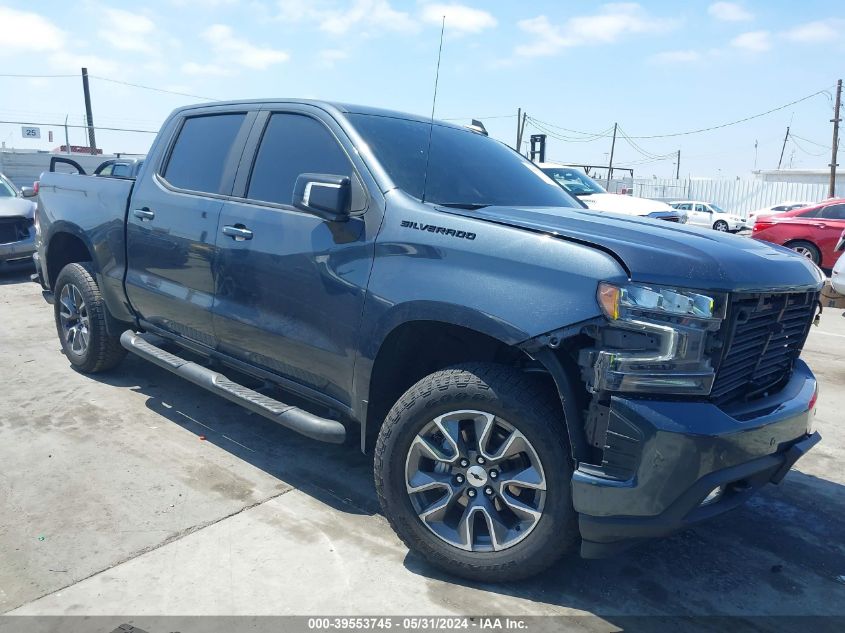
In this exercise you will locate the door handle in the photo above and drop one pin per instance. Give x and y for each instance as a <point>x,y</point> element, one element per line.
<point>238,232</point>
<point>144,214</point>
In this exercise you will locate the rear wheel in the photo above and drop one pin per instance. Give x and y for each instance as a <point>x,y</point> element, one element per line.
<point>80,314</point>
<point>721,225</point>
<point>807,249</point>
<point>473,472</point>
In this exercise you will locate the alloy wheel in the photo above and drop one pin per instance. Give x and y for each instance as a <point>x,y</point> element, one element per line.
<point>475,481</point>
<point>73,314</point>
<point>805,252</point>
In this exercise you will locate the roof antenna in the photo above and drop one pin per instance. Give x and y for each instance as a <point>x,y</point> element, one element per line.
<point>433,103</point>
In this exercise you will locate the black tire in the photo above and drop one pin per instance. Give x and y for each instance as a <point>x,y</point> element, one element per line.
<point>807,249</point>
<point>721,226</point>
<point>531,407</point>
<point>102,352</point>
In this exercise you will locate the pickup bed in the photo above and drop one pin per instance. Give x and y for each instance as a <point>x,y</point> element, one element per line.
<point>533,377</point>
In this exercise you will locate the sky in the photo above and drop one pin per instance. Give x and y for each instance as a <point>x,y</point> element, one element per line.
<point>660,69</point>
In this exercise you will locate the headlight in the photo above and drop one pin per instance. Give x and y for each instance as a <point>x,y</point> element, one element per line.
<point>656,340</point>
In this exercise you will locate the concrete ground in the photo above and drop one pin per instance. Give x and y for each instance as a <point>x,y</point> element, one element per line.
<point>111,502</point>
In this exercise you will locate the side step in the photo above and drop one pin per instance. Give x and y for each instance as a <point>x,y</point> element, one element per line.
<point>288,416</point>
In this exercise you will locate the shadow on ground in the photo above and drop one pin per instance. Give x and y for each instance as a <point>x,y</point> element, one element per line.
<point>780,554</point>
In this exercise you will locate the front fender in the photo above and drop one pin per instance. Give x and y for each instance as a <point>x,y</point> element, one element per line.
<point>509,283</point>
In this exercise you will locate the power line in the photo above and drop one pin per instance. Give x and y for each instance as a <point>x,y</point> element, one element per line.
<point>21,76</point>
<point>738,121</point>
<point>480,118</point>
<point>793,134</point>
<point>110,129</point>
<point>172,92</point>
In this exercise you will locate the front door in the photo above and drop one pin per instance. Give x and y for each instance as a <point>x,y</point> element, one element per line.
<point>172,225</point>
<point>290,286</point>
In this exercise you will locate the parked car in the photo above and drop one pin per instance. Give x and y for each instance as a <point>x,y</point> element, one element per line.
<point>837,276</point>
<point>532,376</point>
<point>812,232</point>
<point>594,196</point>
<point>709,215</point>
<point>780,207</point>
<point>17,233</point>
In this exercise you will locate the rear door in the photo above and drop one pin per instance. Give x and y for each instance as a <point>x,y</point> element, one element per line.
<point>290,294</point>
<point>172,222</point>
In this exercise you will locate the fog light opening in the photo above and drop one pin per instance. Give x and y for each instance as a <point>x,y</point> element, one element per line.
<point>714,496</point>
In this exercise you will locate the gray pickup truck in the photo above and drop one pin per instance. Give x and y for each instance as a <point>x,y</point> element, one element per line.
<point>533,377</point>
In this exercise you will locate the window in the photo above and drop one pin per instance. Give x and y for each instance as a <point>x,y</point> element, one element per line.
<point>6,190</point>
<point>575,182</point>
<point>809,213</point>
<point>294,144</point>
<point>201,152</point>
<point>683,206</point>
<point>701,208</point>
<point>465,168</point>
<point>833,212</point>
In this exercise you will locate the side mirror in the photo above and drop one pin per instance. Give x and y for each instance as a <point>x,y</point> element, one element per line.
<point>28,192</point>
<point>324,195</point>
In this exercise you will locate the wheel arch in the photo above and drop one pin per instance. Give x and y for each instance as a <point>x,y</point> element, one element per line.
<point>412,349</point>
<point>67,244</point>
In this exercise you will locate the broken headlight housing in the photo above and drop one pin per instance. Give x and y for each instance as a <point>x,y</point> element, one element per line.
<point>657,340</point>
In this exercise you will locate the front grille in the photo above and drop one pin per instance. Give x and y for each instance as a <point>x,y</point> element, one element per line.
<point>13,229</point>
<point>763,335</point>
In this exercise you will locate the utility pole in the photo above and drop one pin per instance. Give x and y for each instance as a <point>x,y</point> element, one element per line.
<point>520,130</point>
<point>610,162</point>
<point>67,138</point>
<point>835,145</point>
<point>678,167</point>
<point>785,138</point>
<point>88,113</point>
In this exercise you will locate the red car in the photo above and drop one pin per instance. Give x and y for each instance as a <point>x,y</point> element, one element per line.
<point>812,231</point>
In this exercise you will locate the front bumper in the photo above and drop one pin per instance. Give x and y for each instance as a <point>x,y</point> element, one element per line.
<point>17,255</point>
<point>677,452</point>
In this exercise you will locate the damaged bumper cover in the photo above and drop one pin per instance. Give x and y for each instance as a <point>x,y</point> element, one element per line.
<point>687,461</point>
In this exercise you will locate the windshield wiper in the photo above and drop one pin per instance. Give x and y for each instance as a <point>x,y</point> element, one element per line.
<point>462,205</point>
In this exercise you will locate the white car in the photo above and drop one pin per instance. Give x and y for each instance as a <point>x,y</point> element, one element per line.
<point>592,194</point>
<point>780,207</point>
<point>837,276</point>
<point>708,214</point>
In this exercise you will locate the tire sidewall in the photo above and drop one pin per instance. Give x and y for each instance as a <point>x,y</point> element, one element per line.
<point>78,276</point>
<point>720,223</point>
<point>551,450</point>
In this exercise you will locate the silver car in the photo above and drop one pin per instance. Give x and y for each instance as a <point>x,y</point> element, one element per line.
<point>17,230</point>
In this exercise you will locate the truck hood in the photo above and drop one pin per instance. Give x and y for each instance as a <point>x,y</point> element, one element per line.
<point>13,207</point>
<point>658,252</point>
<point>623,204</point>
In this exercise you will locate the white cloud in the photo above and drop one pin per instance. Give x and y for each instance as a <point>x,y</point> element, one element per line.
<point>729,12</point>
<point>25,32</point>
<point>71,62</point>
<point>753,41</point>
<point>330,56</point>
<point>339,19</point>
<point>612,22</point>
<point>128,31</point>
<point>677,57</point>
<point>459,18</point>
<point>816,32</point>
<point>240,52</point>
<point>208,70</point>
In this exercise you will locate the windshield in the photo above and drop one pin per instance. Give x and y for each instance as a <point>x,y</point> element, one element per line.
<point>716,208</point>
<point>6,189</point>
<point>574,181</point>
<point>466,168</point>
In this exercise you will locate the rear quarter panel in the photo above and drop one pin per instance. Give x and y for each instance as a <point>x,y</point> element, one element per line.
<point>93,209</point>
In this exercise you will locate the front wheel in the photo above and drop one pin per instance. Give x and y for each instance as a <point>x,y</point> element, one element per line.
<point>473,472</point>
<point>721,225</point>
<point>80,314</point>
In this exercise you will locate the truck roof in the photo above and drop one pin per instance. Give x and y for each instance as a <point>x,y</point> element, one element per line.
<point>331,106</point>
